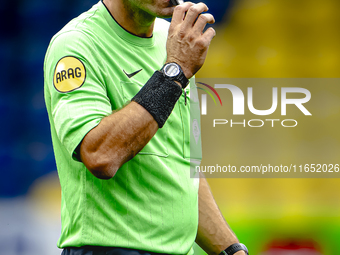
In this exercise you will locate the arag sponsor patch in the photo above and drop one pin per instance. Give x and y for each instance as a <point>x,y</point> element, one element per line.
<point>69,74</point>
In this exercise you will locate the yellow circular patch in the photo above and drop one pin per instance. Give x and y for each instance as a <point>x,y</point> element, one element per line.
<point>69,74</point>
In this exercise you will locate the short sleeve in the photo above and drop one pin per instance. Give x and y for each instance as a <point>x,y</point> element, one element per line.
<point>75,89</point>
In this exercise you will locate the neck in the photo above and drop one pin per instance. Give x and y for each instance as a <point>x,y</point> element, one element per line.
<point>131,18</point>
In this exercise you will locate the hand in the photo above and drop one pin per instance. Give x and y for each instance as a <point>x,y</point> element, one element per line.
<point>187,45</point>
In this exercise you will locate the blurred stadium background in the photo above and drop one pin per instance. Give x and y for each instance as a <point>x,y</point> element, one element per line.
<point>255,39</point>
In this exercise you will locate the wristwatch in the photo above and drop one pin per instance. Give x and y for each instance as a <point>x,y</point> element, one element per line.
<point>174,72</point>
<point>232,249</point>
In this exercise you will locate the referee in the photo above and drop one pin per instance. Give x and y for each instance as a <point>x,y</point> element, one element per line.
<point>121,97</point>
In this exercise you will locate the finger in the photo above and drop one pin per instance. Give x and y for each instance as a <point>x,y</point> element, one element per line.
<point>209,34</point>
<point>202,20</point>
<point>193,13</point>
<point>179,12</point>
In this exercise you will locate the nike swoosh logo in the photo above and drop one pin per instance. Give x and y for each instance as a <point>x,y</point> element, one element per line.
<point>130,75</point>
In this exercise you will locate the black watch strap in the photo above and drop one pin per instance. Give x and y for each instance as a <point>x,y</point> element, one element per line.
<point>232,249</point>
<point>182,80</point>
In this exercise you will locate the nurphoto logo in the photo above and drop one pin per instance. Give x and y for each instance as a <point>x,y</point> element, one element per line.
<point>238,104</point>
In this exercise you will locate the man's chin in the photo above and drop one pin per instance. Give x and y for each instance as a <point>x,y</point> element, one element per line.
<point>166,13</point>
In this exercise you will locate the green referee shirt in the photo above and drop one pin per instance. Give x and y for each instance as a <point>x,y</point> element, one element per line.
<point>93,67</point>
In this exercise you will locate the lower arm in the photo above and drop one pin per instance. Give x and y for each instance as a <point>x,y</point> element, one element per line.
<point>117,139</point>
<point>120,136</point>
<point>213,235</point>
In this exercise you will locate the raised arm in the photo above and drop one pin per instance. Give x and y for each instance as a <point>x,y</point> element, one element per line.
<point>120,136</point>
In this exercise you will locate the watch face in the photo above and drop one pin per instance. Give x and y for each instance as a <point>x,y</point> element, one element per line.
<point>171,70</point>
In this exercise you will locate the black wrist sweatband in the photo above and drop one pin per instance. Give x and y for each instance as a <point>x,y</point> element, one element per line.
<point>159,96</point>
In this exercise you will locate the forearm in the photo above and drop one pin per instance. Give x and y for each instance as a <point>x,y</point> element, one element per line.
<point>213,235</point>
<point>117,139</point>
